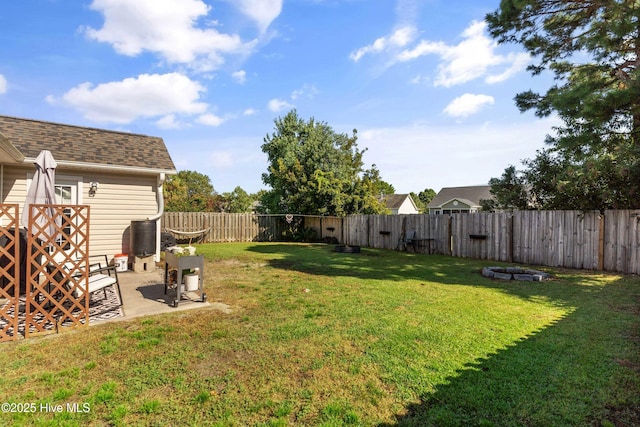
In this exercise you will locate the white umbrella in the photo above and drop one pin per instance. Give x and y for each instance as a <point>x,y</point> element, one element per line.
<point>42,191</point>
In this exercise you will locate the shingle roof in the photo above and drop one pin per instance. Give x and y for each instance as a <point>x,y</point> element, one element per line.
<point>86,145</point>
<point>471,194</point>
<point>394,201</point>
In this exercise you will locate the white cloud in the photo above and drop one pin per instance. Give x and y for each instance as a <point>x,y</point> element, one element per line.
<point>263,12</point>
<point>210,119</point>
<point>468,104</point>
<point>249,112</point>
<point>400,38</point>
<point>167,28</point>
<point>148,95</point>
<point>407,11</point>
<point>239,76</point>
<point>423,48</point>
<point>169,122</point>
<point>519,62</point>
<point>307,90</point>
<point>419,79</point>
<point>474,57</point>
<point>277,105</point>
<point>451,156</point>
<point>3,84</point>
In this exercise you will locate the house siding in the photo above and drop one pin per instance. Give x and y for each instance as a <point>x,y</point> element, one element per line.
<point>120,199</point>
<point>407,208</point>
<point>14,185</point>
<point>460,205</point>
<point>399,204</point>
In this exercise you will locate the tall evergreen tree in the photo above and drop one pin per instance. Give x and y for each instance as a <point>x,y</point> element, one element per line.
<point>592,47</point>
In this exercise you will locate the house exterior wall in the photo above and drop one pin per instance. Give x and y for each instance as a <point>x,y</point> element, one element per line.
<point>450,207</point>
<point>120,199</point>
<point>453,205</point>
<point>406,208</point>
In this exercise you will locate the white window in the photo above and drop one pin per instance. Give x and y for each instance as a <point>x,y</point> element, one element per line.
<point>68,192</point>
<point>65,196</point>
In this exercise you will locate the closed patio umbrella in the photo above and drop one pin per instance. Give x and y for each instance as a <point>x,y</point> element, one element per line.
<point>42,191</point>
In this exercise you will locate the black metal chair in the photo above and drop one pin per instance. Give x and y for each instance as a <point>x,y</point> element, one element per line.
<point>408,239</point>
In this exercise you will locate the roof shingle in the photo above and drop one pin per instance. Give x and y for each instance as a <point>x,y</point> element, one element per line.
<point>394,201</point>
<point>86,145</point>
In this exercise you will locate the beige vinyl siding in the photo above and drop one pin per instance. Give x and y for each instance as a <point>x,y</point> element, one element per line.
<point>120,199</point>
<point>14,185</point>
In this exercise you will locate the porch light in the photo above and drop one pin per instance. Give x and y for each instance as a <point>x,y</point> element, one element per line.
<point>93,188</point>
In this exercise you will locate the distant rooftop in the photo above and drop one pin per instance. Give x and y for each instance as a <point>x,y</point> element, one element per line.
<point>472,194</point>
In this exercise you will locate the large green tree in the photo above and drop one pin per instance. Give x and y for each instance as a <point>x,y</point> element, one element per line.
<point>592,48</point>
<point>509,192</point>
<point>188,191</point>
<point>383,188</point>
<point>423,198</point>
<point>237,201</point>
<point>315,170</point>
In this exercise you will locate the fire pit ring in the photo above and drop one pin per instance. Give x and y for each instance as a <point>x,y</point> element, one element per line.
<point>346,249</point>
<point>515,273</point>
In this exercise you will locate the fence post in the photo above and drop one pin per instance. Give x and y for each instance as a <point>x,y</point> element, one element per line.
<point>601,242</point>
<point>368,231</point>
<point>450,235</point>
<point>510,239</point>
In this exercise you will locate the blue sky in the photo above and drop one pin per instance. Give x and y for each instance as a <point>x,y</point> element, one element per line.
<point>429,92</point>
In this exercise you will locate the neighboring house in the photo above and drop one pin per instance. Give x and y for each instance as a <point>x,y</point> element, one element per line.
<point>459,199</point>
<point>129,171</point>
<point>400,204</point>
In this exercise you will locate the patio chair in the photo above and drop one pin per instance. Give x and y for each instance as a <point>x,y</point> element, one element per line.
<point>101,276</point>
<point>408,239</point>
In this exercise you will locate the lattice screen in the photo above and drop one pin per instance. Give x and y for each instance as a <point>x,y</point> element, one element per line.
<point>59,268</point>
<point>9,272</point>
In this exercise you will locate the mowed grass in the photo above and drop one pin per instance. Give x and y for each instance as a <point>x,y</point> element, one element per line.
<point>329,339</point>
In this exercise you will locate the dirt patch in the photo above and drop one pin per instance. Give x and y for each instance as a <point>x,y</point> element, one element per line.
<point>238,263</point>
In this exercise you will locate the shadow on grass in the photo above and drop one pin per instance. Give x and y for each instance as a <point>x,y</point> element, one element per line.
<point>373,264</point>
<point>571,373</point>
<point>582,370</point>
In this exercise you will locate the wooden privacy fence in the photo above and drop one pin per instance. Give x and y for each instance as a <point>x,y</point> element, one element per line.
<point>569,239</point>
<point>221,227</point>
<point>555,238</point>
<point>246,227</point>
<point>385,231</point>
<point>572,239</point>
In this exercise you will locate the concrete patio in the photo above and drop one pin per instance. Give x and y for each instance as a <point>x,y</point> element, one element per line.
<point>143,295</point>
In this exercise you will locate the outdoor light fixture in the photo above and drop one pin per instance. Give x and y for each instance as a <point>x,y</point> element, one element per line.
<point>93,187</point>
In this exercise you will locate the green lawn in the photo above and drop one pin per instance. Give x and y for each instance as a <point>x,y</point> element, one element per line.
<point>378,338</point>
